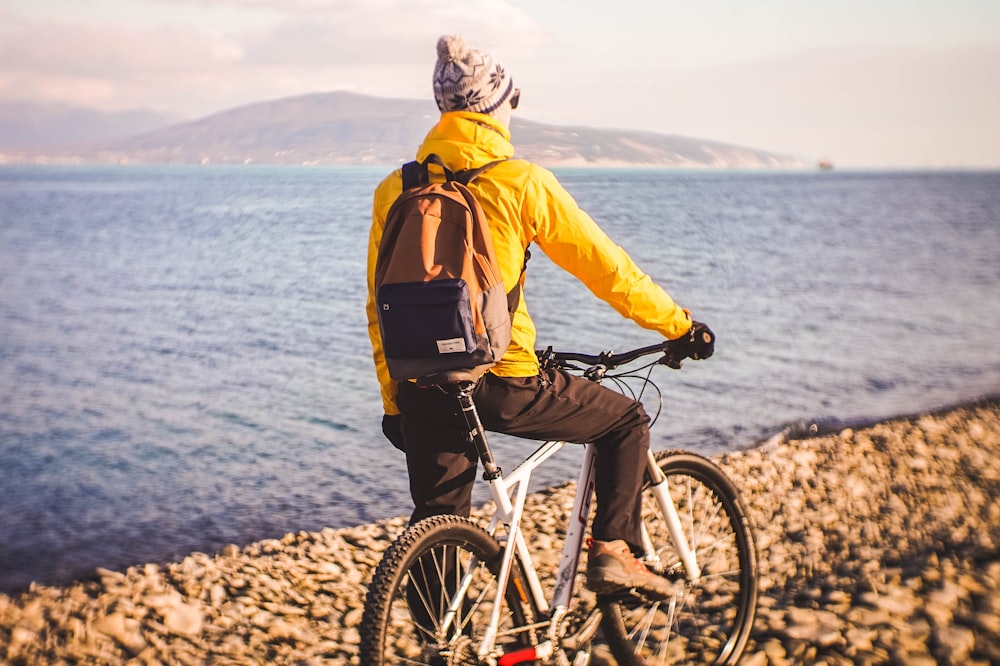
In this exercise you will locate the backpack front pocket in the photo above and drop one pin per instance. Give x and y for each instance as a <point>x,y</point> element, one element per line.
<point>426,319</point>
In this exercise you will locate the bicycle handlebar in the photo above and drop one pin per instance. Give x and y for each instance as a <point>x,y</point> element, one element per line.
<point>609,359</point>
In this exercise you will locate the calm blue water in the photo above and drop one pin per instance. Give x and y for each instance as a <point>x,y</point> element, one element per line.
<point>184,362</point>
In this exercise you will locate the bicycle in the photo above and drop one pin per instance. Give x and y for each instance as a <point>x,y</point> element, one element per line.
<point>449,591</point>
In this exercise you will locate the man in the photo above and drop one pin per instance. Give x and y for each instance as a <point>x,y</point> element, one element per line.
<point>525,204</point>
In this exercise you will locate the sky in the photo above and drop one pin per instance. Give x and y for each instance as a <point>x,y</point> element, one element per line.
<point>865,83</point>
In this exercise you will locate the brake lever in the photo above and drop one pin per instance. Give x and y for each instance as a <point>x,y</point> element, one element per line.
<point>547,358</point>
<point>671,361</point>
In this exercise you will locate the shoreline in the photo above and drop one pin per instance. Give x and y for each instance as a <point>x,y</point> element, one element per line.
<point>789,430</point>
<point>878,544</point>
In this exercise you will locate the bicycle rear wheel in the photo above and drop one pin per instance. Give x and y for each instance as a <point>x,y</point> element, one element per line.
<point>707,620</point>
<point>440,564</point>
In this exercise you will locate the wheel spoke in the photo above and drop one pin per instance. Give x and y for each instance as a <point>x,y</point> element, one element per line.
<point>708,619</point>
<point>432,596</point>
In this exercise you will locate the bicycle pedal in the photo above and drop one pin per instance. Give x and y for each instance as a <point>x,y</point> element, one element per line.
<point>620,594</point>
<point>631,596</point>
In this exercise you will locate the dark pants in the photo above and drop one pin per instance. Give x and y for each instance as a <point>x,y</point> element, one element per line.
<point>552,406</point>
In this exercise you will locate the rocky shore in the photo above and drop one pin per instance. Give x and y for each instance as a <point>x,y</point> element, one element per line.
<point>877,546</point>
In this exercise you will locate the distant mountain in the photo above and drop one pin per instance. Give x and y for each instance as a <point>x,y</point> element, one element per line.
<point>555,145</point>
<point>321,128</point>
<point>27,127</point>
<point>351,129</point>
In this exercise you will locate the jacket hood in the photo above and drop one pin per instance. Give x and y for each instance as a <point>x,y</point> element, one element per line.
<point>467,140</point>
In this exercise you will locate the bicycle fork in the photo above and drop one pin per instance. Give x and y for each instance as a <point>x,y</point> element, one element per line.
<point>661,491</point>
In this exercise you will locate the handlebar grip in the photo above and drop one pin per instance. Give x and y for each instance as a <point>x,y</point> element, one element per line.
<point>693,344</point>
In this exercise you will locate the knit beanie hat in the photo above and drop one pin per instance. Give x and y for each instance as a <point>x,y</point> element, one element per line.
<point>467,79</point>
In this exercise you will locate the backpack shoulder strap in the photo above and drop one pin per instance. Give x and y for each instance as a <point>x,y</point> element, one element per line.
<point>415,175</point>
<point>466,177</point>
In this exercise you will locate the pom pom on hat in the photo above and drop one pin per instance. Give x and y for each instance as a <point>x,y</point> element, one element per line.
<point>467,79</point>
<point>452,48</point>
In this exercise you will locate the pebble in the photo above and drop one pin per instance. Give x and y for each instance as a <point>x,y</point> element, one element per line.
<point>183,619</point>
<point>877,545</point>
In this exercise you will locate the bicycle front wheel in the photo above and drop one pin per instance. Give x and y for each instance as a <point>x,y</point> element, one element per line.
<point>432,595</point>
<point>708,619</point>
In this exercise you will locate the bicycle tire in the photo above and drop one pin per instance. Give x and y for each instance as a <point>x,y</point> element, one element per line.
<point>405,609</point>
<point>708,620</point>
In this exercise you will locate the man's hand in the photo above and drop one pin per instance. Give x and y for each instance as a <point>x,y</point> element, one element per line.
<point>698,343</point>
<point>392,428</point>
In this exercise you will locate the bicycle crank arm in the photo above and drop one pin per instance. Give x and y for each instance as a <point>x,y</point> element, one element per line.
<point>541,651</point>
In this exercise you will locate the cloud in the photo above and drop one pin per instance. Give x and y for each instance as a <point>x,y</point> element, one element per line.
<point>381,47</point>
<point>105,65</point>
<point>74,47</point>
<point>389,32</point>
<point>860,104</point>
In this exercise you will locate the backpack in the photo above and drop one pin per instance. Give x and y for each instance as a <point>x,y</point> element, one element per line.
<point>442,310</point>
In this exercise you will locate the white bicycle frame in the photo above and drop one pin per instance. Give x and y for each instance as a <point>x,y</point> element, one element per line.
<point>509,495</point>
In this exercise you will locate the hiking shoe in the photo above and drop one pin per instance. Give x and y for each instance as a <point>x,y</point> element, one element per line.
<point>611,567</point>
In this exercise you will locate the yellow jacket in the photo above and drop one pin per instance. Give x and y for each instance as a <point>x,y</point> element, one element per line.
<point>524,204</point>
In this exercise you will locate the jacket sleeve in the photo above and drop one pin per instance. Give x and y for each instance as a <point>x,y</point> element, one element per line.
<point>577,244</point>
<point>385,194</point>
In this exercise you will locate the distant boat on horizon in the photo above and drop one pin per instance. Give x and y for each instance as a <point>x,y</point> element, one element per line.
<point>825,164</point>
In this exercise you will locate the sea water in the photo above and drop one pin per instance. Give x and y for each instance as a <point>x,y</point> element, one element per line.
<point>184,360</point>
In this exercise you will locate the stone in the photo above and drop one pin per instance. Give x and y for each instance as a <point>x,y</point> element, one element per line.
<point>939,614</point>
<point>217,595</point>
<point>280,630</point>
<point>990,623</point>
<point>123,629</point>
<point>184,619</point>
<point>754,659</point>
<point>955,645</point>
<point>163,599</point>
<point>860,639</point>
<point>353,617</point>
<point>20,635</point>
<point>898,602</point>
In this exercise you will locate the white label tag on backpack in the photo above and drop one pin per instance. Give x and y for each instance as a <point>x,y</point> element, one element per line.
<point>451,346</point>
